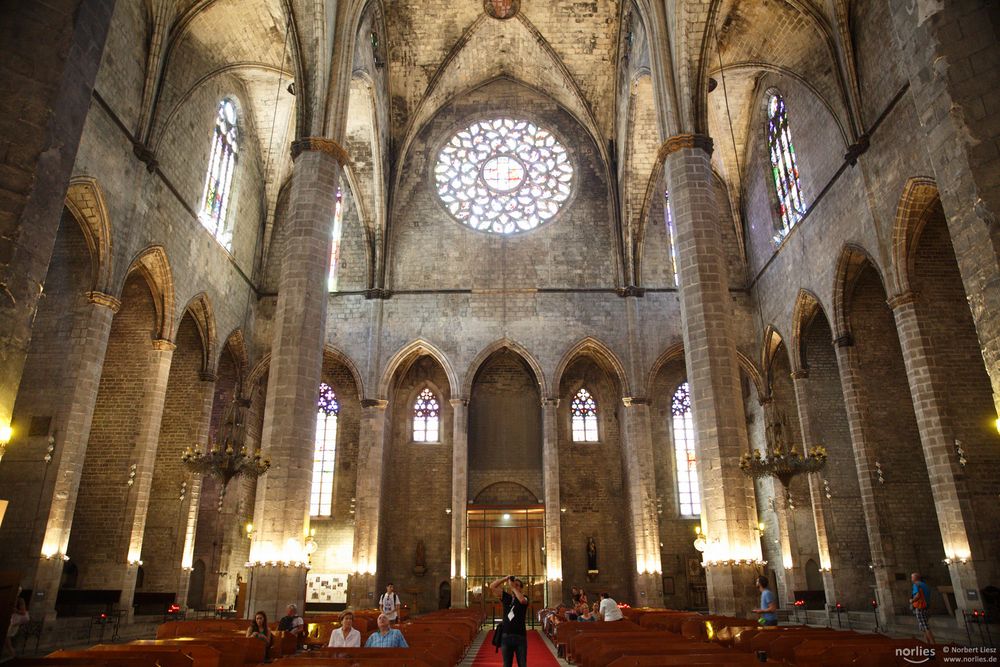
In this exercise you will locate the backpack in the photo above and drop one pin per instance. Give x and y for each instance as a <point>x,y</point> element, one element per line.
<point>920,600</point>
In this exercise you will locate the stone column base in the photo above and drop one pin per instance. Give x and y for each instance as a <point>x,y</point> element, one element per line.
<point>648,589</point>
<point>274,587</point>
<point>732,590</point>
<point>361,591</point>
<point>458,593</point>
<point>555,588</point>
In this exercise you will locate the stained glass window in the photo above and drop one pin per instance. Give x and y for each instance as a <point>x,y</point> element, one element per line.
<point>503,176</point>
<point>325,452</point>
<point>426,417</point>
<point>338,221</point>
<point>584,412</point>
<point>672,233</point>
<point>688,489</point>
<point>219,178</point>
<point>784,170</point>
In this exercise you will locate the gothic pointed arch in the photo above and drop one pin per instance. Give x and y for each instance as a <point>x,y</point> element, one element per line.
<point>597,350</point>
<point>919,195</point>
<point>807,304</point>
<point>406,355</point>
<point>853,258</point>
<point>152,263</point>
<point>85,200</point>
<point>496,346</point>
<point>200,309</point>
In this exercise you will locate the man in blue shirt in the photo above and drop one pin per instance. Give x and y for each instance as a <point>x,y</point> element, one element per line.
<point>386,637</point>
<point>768,605</point>
<point>920,596</point>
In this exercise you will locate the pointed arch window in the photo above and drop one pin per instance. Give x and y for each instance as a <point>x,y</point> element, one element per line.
<point>426,417</point>
<point>325,452</point>
<point>584,412</point>
<point>219,177</point>
<point>784,169</point>
<point>338,222</point>
<point>688,489</point>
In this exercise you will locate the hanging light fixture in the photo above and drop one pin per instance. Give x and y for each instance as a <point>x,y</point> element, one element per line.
<point>780,459</point>
<point>227,456</point>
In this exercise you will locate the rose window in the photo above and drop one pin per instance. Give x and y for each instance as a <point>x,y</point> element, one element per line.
<point>503,176</point>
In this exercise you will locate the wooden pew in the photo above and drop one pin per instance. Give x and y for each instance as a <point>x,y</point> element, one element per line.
<point>202,655</point>
<point>731,659</point>
<point>608,653</point>
<point>89,661</point>
<point>156,657</point>
<point>366,661</point>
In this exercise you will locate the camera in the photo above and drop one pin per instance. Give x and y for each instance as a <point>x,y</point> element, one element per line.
<point>510,578</point>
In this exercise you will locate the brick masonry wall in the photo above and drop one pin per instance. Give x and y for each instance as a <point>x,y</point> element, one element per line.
<point>847,536</point>
<point>504,387</point>
<point>166,522</point>
<point>99,539</point>
<point>893,434</point>
<point>416,491</point>
<point>38,401</point>
<point>959,364</point>
<point>591,487</point>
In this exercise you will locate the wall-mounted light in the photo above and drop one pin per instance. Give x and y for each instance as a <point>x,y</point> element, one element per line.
<point>249,530</point>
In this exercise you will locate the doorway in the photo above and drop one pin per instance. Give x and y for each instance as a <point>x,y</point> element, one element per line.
<point>506,541</point>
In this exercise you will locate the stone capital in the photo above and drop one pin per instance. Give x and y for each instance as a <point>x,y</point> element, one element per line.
<point>322,144</point>
<point>800,374</point>
<point>681,141</point>
<point>903,299</point>
<point>630,401</point>
<point>106,300</point>
<point>459,402</point>
<point>208,376</point>
<point>631,291</point>
<point>550,402</point>
<point>765,399</point>
<point>163,345</point>
<point>378,403</point>
<point>846,340</point>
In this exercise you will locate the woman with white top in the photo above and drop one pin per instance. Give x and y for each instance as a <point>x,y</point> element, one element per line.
<point>346,636</point>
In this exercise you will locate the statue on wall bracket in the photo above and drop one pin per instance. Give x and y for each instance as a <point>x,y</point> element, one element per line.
<point>501,9</point>
<point>592,570</point>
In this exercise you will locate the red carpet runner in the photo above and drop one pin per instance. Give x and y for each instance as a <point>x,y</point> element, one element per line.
<point>539,654</point>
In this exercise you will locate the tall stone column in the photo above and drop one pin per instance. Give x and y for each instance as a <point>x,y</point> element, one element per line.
<point>553,513</point>
<point>289,432</point>
<point>647,582</point>
<point>150,418</point>
<point>87,355</point>
<point>817,496</point>
<point>955,512</point>
<point>727,513</point>
<point>459,501</point>
<point>49,53</point>
<point>944,46</point>
<point>371,458</point>
<point>192,499</point>
<point>879,537</point>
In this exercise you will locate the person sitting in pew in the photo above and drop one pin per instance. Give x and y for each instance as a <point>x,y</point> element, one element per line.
<point>346,636</point>
<point>386,637</point>
<point>291,622</point>
<point>258,628</point>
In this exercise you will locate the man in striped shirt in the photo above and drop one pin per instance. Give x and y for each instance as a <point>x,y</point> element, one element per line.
<point>386,637</point>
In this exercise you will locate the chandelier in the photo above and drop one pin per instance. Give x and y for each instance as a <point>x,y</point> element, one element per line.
<point>782,460</point>
<point>227,456</point>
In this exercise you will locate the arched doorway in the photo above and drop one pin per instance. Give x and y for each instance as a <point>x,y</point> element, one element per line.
<point>506,519</point>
